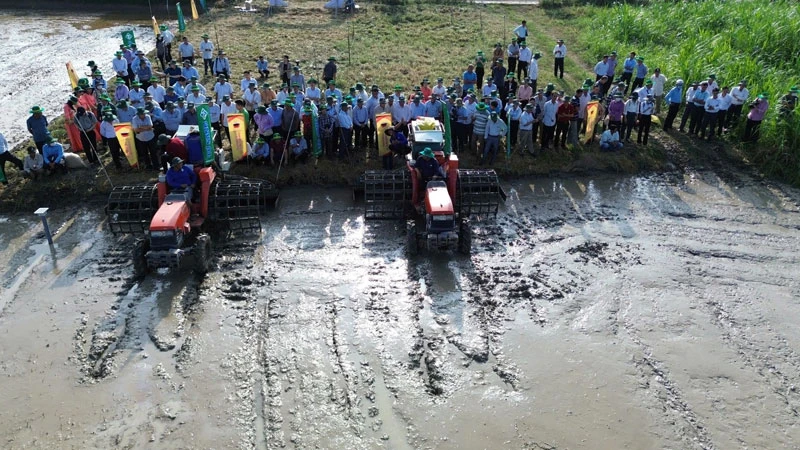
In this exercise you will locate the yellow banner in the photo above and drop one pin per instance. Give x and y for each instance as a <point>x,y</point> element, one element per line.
<point>73,76</point>
<point>238,135</point>
<point>127,142</point>
<point>155,27</point>
<point>195,16</point>
<point>592,114</point>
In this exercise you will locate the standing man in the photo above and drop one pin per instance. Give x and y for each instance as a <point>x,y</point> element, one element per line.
<point>559,53</point>
<point>345,122</point>
<point>628,67</point>
<point>6,155</point>
<point>601,68</point>
<point>631,114</point>
<point>110,137</point>
<point>566,112</point>
<point>699,102</point>
<point>711,114</point>
<point>330,69</point>
<point>207,50</point>
<point>168,38</point>
<point>495,129</point>
<point>120,65</point>
<point>525,56</point>
<point>361,123</point>
<point>145,139</point>
<point>186,50</point>
<point>739,96</point>
<point>37,127</point>
<point>658,79</point>
<point>612,66</point>
<point>646,108</point>
<point>673,99</point>
<point>641,72</point>
<point>86,122</point>
<point>758,109</point>
<point>688,109</point>
<point>512,53</point>
<point>221,65</point>
<point>549,116</point>
<point>724,106</point>
<point>525,137</point>
<point>521,32</point>
<point>222,88</point>
<point>514,113</point>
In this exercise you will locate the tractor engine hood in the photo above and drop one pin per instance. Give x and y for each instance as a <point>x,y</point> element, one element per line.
<point>172,215</point>
<point>437,200</point>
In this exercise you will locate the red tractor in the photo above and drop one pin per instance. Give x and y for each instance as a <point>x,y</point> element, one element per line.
<point>175,230</point>
<point>438,211</point>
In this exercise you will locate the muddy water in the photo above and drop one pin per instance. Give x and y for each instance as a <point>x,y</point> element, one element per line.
<point>595,313</point>
<point>36,48</point>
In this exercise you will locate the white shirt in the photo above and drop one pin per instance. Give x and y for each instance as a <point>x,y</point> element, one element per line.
<point>739,95</point>
<point>601,68</point>
<point>658,84</point>
<point>252,99</point>
<point>107,130</point>
<point>526,121</point>
<point>222,89</point>
<point>157,92</point>
<point>120,65</point>
<point>313,94</point>
<point>560,51</point>
<point>224,110</point>
<point>724,102</point>
<point>401,113</point>
<point>525,54</point>
<point>196,99</point>
<point>712,104</point>
<point>631,106</point>
<point>549,113</point>
<point>608,137</point>
<point>245,83</point>
<point>533,69</point>
<point>207,48</point>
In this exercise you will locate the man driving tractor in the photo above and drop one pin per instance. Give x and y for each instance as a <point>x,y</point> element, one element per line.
<point>427,166</point>
<point>181,179</point>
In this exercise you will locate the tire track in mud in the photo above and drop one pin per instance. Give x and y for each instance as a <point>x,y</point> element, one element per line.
<point>655,378</point>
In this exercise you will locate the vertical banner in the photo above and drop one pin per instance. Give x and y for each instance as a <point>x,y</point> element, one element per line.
<point>181,21</point>
<point>508,137</point>
<point>155,26</point>
<point>73,76</point>
<point>206,132</point>
<point>125,134</point>
<point>592,115</point>
<point>203,5</point>
<point>128,38</point>
<point>195,16</point>
<point>448,138</point>
<point>315,141</point>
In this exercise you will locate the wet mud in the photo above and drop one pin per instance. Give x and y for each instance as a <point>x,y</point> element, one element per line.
<point>601,312</point>
<point>36,47</point>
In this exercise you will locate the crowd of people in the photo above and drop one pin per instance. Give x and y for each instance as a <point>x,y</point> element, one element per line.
<point>496,97</point>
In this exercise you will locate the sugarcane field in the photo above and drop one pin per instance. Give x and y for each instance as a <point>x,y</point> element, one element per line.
<point>400,224</point>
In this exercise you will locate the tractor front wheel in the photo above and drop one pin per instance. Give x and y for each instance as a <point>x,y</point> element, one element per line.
<point>202,253</point>
<point>140,249</point>
<point>464,238</point>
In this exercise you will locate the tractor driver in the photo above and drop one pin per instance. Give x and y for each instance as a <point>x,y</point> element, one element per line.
<point>181,179</point>
<point>427,166</point>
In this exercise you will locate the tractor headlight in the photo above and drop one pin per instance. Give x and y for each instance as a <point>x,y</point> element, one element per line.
<point>443,218</point>
<point>161,234</point>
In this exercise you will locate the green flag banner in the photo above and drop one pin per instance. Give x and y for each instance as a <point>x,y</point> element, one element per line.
<point>448,138</point>
<point>206,132</point>
<point>181,22</point>
<point>508,137</point>
<point>315,141</point>
<point>128,39</point>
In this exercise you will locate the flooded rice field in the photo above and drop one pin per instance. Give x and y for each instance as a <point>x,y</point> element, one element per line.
<point>654,312</point>
<point>37,46</point>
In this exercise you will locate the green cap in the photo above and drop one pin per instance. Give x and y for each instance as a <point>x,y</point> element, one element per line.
<point>276,136</point>
<point>36,110</point>
<point>427,152</point>
<point>260,140</point>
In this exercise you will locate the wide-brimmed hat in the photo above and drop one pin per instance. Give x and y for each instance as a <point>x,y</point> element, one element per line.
<point>36,110</point>
<point>427,152</point>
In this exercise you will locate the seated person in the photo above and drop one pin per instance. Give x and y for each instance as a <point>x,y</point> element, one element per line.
<point>609,140</point>
<point>171,148</point>
<point>299,147</point>
<point>194,147</point>
<point>260,153</point>
<point>53,154</point>
<point>181,179</point>
<point>33,164</point>
<point>397,141</point>
<point>427,166</point>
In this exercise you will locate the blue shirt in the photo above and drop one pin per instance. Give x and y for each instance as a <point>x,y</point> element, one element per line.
<point>38,128</point>
<point>641,70</point>
<point>675,95</point>
<point>176,178</point>
<point>628,65</point>
<point>429,167</point>
<point>53,153</point>
<point>172,119</point>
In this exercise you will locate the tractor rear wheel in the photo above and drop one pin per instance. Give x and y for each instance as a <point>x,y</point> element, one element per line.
<point>464,238</point>
<point>202,253</point>
<point>412,243</point>
<point>140,249</point>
